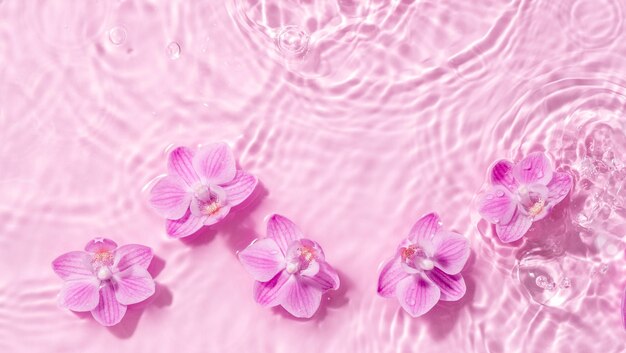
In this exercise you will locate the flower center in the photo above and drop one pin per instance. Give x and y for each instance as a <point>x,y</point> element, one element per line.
<point>415,258</point>
<point>532,199</point>
<point>299,257</point>
<point>102,258</point>
<point>209,200</point>
<point>536,208</point>
<point>104,273</point>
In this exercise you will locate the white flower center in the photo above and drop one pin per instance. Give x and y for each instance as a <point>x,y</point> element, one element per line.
<point>415,259</point>
<point>210,199</point>
<point>299,257</point>
<point>292,267</point>
<point>104,273</point>
<point>426,264</point>
<point>532,199</point>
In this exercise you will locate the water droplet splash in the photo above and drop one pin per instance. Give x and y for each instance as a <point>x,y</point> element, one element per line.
<point>117,35</point>
<point>292,41</point>
<point>602,176</point>
<point>547,278</point>
<point>173,50</point>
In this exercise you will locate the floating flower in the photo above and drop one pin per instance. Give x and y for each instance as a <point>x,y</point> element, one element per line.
<point>289,270</point>
<point>426,267</point>
<point>200,189</point>
<point>520,194</point>
<point>104,279</point>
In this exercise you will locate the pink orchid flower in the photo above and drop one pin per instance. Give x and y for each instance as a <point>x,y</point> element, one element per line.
<point>426,267</point>
<point>104,279</point>
<point>289,270</point>
<point>521,194</point>
<point>200,189</point>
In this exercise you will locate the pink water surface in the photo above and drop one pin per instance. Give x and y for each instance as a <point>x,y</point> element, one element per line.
<point>358,117</point>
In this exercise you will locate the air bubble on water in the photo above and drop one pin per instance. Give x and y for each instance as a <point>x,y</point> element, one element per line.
<point>603,269</point>
<point>173,50</point>
<point>117,35</point>
<point>292,41</point>
<point>542,281</point>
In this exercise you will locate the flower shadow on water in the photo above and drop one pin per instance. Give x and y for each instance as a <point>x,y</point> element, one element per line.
<point>557,235</point>
<point>331,301</point>
<point>162,298</point>
<point>126,328</point>
<point>442,319</point>
<point>237,226</point>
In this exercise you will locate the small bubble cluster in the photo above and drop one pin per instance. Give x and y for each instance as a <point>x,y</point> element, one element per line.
<point>545,283</point>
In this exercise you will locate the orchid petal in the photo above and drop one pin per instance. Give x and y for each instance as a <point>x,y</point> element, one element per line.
<point>262,259</point>
<point>180,164</point>
<point>425,228</point>
<point>452,287</point>
<point>134,285</point>
<point>184,226</point>
<point>170,198</point>
<point>515,229</point>
<point>283,231</point>
<point>417,295</point>
<point>73,265</point>
<point>238,189</point>
<point>130,255</point>
<point>299,298</point>
<point>109,311</point>
<point>80,295</point>
<point>535,168</point>
<point>391,273</point>
<point>451,251</point>
<point>269,293</point>
<point>325,279</point>
<point>215,163</point>
<point>100,244</point>
<point>501,173</point>
<point>559,187</point>
<point>496,205</point>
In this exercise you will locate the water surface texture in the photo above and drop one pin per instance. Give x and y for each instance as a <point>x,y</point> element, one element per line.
<point>357,117</point>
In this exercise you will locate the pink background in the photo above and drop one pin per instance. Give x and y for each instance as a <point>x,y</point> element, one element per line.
<point>392,110</point>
